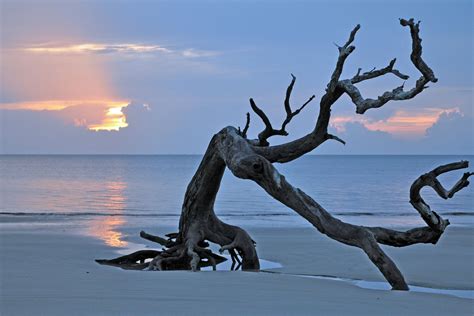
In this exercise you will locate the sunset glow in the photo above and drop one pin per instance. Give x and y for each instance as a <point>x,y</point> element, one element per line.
<point>95,115</point>
<point>113,121</point>
<point>402,123</point>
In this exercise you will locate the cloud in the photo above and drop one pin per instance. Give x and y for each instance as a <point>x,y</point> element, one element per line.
<point>95,115</point>
<point>452,133</point>
<point>401,124</point>
<point>195,53</point>
<point>91,48</point>
<point>158,129</point>
<point>46,132</point>
<point>125,48</point>
<point>360,141</point>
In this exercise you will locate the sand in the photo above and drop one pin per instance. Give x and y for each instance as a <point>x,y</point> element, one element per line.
<point>50,270</point>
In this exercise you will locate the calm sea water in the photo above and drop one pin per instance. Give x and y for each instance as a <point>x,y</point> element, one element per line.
<point>125,190</point>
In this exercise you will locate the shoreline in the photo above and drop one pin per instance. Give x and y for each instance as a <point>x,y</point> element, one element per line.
<point>51,270</point>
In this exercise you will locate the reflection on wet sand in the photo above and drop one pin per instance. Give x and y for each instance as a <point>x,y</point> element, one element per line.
<point>106,228</point>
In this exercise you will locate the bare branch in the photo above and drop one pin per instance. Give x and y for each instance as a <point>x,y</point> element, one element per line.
<point>290,116</point>
<point>336,88</point>
<point>243,133</point>
<point>351,37</point>
<point>398,93</point>
<point>461,184</point>
<point>334,137</point>
<point>157,239</point>
<point>288,95</point>
<point>430,179</point>
<point>417,50</point>
<point>269,131</point>
<point>450,167</point>
<point>296,148</point>
<point>344,51</point>
<point>378,72</point>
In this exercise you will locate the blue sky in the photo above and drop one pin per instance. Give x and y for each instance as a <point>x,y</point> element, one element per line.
<point>170,74</point>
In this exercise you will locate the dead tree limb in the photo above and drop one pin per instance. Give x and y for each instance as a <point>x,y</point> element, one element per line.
<point>398,93</point>
<point>269,131</point>
<point>243,132</point>
<point>253,160</point>
<point>336,88</point>
<point>431,218</point>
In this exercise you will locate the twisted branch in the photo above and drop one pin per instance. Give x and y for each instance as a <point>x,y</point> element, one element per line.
<point>398,93</point>
<point>432,219</point>
<point>244,163</point>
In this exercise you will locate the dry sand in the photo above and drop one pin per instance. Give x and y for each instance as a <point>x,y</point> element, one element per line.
<point>51,272</point>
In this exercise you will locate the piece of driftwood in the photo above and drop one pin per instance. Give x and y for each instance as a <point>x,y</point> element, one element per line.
<point>253,159</point>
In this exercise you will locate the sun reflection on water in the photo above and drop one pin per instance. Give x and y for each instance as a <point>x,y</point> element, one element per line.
<point>106,228</point>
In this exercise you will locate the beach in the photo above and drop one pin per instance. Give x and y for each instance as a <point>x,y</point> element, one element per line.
<point>60,213</point>
<point>49,269</point>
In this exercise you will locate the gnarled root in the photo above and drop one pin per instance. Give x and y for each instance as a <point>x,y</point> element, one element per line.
<point>183,256</point>
<point>176,256</point>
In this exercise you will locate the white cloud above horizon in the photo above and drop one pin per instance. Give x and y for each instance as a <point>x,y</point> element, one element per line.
<point>127,49</point>
<point>402,124</point>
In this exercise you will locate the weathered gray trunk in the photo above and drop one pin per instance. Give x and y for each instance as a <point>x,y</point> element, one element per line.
<point>198,221</point>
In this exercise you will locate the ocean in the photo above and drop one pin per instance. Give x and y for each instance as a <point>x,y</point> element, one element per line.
<point>123,191</point>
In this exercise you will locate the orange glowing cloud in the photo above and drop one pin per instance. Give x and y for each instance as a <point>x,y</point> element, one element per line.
<point>95,115</point>
<point>113,121</point>
<point>401,124</point>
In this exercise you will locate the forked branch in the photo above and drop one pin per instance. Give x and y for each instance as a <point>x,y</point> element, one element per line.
<point>374,73</point>
<point>269,131</point>
<point>344,52</point>
<point>398,93</point>
<point>336,88</point>
<point>432,219</point>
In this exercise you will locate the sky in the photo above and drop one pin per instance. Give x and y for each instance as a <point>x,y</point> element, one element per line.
<point>161,77</point>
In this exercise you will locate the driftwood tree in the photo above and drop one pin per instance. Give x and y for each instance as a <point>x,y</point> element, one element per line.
<point>254,159</point>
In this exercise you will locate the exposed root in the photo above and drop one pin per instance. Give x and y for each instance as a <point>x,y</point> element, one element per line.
<point>176,257</point>
<point>133,261</point>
